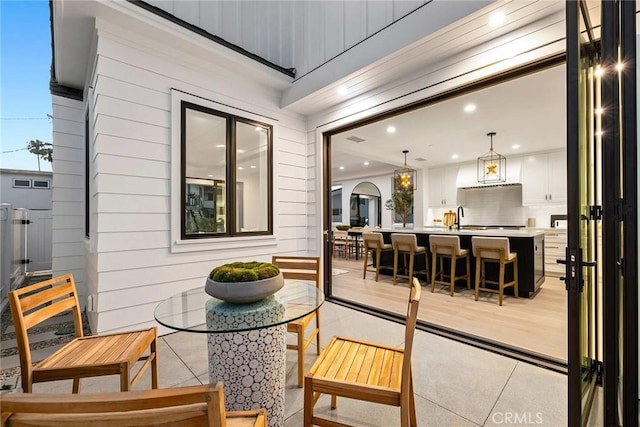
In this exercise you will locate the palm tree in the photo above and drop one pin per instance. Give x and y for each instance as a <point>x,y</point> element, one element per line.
<point>41,149</point>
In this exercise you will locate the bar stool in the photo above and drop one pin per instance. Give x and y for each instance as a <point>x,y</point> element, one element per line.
<point>494,249</point>
<point>407,244</point>
<point>374,242</point>
<point>448,247</point>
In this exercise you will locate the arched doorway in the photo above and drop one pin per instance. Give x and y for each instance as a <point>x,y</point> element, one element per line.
<point>365,206</point>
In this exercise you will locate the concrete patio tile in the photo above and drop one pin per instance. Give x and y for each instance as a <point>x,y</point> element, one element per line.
<point>463,379</point>
<point>330,312</point>
<point>191,348</point>
<point>532,396</point>
<point>366,414</point>
<point>365,327</point>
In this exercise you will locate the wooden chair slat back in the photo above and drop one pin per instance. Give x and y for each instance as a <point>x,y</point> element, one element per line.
<point>301,268</point>
<point>178,406</point>
<point>412,315</point>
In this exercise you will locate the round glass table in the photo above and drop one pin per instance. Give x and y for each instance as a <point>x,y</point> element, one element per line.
<point>246,342</point>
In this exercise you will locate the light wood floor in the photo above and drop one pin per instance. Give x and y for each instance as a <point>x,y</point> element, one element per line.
<point>537,324</point>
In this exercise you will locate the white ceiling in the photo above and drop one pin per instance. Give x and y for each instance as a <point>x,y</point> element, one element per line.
<point>529,111</point>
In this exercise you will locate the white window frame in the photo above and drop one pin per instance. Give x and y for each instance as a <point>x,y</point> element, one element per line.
<point>178,244</point>
<point>13,181</point>
<point>33,184</point>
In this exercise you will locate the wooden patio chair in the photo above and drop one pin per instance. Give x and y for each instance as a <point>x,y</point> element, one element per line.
<point>365,371</point>
<point>93,356</point>
<point>201,405</point>
<point>302,268</point>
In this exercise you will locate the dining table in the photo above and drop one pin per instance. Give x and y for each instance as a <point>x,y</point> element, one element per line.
<point>246,342</point>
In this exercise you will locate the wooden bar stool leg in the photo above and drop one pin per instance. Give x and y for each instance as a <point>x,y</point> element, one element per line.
<point>478,266</point>
<point>395,266</point>
<point>366,261</point>
<point>515,276</point>
<point>378,257</point>
<point>501,283</point>
<point>468,271</point>
<point>434,257</point>
<point>411,260</point>
<point>453,274</point>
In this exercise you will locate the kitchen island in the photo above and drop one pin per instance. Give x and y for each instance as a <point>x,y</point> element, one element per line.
<point>526,242</point>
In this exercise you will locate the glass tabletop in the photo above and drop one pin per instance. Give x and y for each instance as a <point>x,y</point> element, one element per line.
<point>196,311</point>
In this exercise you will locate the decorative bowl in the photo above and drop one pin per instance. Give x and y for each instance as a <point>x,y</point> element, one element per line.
<point>244,292</point>
<point>342,227</point>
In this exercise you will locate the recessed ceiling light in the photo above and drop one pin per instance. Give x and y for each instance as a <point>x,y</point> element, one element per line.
<point>258,128</point>
<point>619,66</point>
<point>599,71</point>
<point>210,176</point>
<point>240,168</point>
<point>454,156</point>
<point>341,168</point>
<point>391,129</point>
<point>342,90</point>
<point>253,166</point>
<point>599,133</point>
<point>240,151</point>
<point>599,110</point>
<point>366,163</point>
<point>497,19</point>
<point>515,146</point>
<point>220,146</point>
<point>469,108</point>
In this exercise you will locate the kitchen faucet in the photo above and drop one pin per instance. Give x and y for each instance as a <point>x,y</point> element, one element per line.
<point>459,214</point>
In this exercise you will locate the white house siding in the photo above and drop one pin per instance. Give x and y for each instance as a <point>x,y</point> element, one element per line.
<point>134,263</point>
<point>298,34</point>
<point>68,190</point>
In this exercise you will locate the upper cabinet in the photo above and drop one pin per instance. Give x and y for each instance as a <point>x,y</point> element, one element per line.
<point>544,178</point>
<point>442,186</point>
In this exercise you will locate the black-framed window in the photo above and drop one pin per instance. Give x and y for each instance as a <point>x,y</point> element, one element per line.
<point>226,174</point>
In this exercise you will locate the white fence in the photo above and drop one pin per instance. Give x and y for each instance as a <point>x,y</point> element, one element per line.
<point>25,245</point>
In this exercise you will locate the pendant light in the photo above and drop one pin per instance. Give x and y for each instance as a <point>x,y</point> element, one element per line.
<point>404,179</point>
<point>492,167</point>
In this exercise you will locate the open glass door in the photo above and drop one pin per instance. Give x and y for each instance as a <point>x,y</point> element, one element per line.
<point>583,213</point>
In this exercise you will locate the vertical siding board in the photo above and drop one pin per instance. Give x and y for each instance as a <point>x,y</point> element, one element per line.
<point>187,10</point>
<point>210,17</point>
<point>314,38</point>
<point>334,28</point>
<point>231,21</point>
<point>286,35</point>
<point>262,27</point>
<point>355,14</point>
<point>251,25</point>
<point>379,15</point>
<point>402,7</point>
<point>300,38</point>
<point>273,18</point>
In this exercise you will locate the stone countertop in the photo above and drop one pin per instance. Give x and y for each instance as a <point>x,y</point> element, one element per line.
<point>523,232</point>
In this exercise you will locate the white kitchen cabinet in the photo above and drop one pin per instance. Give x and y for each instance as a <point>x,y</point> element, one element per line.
<point>442,186</point>
<point>555,244</point>
<point>544,179</point>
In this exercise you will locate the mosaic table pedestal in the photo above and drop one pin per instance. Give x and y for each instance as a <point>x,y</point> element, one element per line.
<point>251,364</point>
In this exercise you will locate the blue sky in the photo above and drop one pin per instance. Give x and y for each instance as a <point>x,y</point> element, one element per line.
<point>25,55</point>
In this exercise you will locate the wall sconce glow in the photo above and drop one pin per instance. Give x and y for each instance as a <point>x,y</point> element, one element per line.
<point>454,156</point>
<point>497,19</point>
<point>366,163</point>
<point>599,71</point>
<point>342,90</point>
<point>469,108</point>
<point>341,168</point>
<point>220,146</point>
<point>391,129</point>
<point>515,146</point>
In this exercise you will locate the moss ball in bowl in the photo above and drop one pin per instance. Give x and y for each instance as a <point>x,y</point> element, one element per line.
<point>342,227</point>
<point>244,282</point>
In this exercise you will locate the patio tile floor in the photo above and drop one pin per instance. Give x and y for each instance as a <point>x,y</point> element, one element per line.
<point>455,384</point>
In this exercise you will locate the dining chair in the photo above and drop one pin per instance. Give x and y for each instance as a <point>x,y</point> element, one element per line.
<point>83,357</point>
<point>367,371</point>
<point>201,405</point>
<point>302,268</point>
<point>374,243</point>
<point>448,247</point>
<point>341,243</point>
<point>494,250</point>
